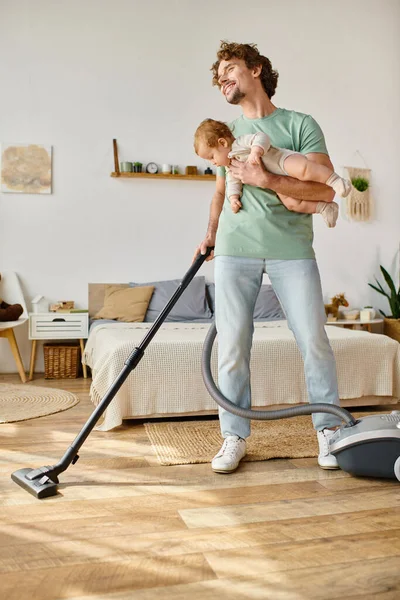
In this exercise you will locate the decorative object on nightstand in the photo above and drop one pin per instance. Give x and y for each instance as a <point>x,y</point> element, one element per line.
<point>61,306</point>
<point>137,167</point>
<point>175,170</point>
<point>350,314</point>
<point>54,326</point>
<point>331,318</point>
<point>39,304</point>
<point>367,313</point>
<point>332,309</point>
<point>208,171</point>
<point>391,322</point>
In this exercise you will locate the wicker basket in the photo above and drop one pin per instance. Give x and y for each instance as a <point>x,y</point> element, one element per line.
<point>391,328</point>
<point>61,361</point>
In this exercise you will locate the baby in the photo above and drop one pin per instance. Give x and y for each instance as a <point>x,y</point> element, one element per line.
<point>215,142</point>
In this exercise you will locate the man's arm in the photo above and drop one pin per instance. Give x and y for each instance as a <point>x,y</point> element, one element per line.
<point>257,175</point>
<point>216,207</point>
<point>215,211</point>
<point>321,159</point>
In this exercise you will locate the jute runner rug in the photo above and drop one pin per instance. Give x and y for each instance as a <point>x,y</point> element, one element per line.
<point>189,442</point>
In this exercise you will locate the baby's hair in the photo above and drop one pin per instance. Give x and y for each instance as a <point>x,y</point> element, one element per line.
<point>210,131</point>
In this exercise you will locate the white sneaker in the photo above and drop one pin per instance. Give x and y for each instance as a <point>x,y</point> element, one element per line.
<point>228,458</point>
<point>325,459</point>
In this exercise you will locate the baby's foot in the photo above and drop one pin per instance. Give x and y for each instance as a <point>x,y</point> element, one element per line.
<point>341,186</point>
<point>329,212</point>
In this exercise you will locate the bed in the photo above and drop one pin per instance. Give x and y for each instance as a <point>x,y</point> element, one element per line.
<point>168,381</point>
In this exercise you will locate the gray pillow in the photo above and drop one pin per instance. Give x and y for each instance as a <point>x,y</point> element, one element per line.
<point>191,306</point>
<point>267,306</point>
<point>210,293</point>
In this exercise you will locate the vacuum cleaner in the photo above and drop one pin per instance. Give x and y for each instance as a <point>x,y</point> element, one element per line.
<point>368,446</point>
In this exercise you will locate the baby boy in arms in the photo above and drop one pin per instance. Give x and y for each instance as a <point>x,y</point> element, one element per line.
<point>215,142</point>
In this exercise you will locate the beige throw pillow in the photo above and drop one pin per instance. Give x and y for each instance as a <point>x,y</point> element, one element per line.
<point>125,304</point>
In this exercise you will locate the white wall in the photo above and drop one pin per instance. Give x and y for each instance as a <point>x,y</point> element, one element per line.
<point>77,73</point>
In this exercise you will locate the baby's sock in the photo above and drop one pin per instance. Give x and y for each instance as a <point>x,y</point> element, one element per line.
<point>341,186</point>
<point>329,212</point>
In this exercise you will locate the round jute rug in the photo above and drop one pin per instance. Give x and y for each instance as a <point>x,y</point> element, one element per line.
<point>23,402</point>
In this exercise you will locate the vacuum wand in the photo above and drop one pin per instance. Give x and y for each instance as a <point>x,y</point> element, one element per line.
<point>42,482</point>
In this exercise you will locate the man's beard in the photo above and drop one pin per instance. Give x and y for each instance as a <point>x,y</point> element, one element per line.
<point>236,97</point>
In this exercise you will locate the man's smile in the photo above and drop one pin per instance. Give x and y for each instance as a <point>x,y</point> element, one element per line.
<point>228,86</point>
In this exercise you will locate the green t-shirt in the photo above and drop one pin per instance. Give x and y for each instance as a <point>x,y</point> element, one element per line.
<point>264,227</point>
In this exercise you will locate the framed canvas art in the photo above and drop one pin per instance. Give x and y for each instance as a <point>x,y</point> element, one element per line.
<point>26,168</point>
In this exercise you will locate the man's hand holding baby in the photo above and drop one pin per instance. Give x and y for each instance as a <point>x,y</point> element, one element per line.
<point>252,174</point>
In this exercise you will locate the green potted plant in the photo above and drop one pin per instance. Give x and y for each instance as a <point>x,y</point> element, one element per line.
<point>137,167</point>
<point>391,322</point>
<point>360,183</point>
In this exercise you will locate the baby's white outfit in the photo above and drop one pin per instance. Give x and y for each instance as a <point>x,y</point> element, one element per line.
<point>273,158</point>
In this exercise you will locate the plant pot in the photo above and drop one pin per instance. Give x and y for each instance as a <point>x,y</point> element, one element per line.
<point>391,328</point>
<point>126,167</point>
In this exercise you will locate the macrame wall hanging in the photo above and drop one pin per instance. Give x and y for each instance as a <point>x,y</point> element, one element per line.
<point>359,201</point>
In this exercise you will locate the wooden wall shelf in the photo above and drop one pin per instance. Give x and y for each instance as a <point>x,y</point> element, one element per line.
<point>164,176</point>
<point>117,172</point>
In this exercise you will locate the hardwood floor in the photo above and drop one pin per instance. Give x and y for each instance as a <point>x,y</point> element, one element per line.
<point>125,527</point>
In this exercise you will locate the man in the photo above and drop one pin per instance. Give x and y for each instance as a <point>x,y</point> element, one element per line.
<point>266,237</point>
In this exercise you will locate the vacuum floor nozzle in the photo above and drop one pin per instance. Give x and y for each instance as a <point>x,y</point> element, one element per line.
<point>40,487</point>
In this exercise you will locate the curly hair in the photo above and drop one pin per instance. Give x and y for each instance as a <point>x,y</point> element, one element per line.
<point>210,131</point>
<point>252,58</point>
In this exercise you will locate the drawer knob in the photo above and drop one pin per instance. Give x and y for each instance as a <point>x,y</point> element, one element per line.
<point>59,319</point>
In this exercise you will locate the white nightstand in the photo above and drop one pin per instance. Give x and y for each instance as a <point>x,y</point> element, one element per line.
<point>350,323</point>
<point>57,326</point>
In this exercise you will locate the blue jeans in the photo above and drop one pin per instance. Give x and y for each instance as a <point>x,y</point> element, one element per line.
<point>298,287</point>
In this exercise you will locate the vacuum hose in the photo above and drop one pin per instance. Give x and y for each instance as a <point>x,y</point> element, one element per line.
<point>268,415</point>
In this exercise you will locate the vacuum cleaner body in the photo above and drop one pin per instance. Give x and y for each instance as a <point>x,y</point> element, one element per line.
<point>370,448</point>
